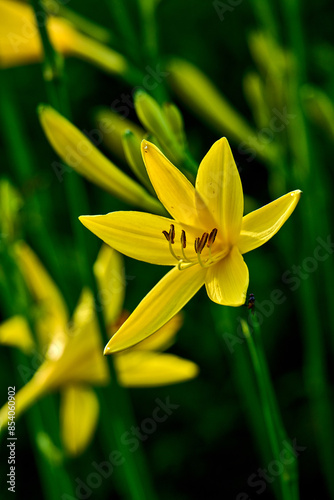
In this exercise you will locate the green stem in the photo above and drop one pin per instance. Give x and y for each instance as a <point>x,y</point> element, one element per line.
<point>275,429</point>
<point>148,29</point>
<point>265,16</point>
<point>241,367</point>
<point>124,25</point>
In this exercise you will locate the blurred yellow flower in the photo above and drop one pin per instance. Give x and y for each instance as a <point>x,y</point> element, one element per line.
<point>72,350</point>
<point>21,43</point>
<point>204,241</point>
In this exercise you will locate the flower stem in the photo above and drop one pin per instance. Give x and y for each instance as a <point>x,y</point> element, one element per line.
<point>276,432</point>
<point>125,27</point>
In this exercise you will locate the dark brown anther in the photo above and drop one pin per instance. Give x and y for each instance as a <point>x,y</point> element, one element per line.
<point>196,244</point>
<point>202,242</point>
<point>183,239</point>
<point>212,237</point>
<point>172,233</point>
<point>166,234</point>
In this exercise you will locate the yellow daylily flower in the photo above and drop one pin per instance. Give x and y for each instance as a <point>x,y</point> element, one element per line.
<point>21,43</point>
<point>204,240</point>
<point>73,351</point>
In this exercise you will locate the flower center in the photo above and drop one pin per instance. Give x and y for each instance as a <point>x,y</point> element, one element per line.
<point>206,240</point>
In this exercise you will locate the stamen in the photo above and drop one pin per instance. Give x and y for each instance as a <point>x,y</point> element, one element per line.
<point>184,265</point>
<point>200,260</point>
<point>202,242</point>
<point>196,243</point>
<point>183,245</point>
<point>212,237</point>
<point>183,239</point>
<point>172,251</point>
<point>166,234</point>
<point>172,233</point>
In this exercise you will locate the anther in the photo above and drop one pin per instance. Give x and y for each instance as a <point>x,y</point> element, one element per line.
<point>183,239</point>
<point>196,243</point>
<point>212,237</point>
<point>172,233</point>
<point>202,242</point>
<point>166,234</point>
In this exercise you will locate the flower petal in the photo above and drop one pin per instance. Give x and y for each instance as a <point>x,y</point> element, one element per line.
<point>79,360</point>
<point>109,272</point>
<point>135,234</point>
<point>148,369</point>
<point>261,225</point>
<point>164,300</point>
<point>218,182</point>
<point>162,338</point>
<point>15,332</point>
<point>79,413</point>
<point>174,190</point>
<point>227,281</point>
<point>53,310</point>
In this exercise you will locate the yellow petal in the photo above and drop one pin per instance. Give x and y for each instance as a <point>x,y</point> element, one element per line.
<point>261,225</point>
<point>54,313</point>
<point>15,332</point>
<point>79,413</point>
<point>109,271</point>
<point>162,303</point>
<point>218,182</point>
<point>79,153</point>
<point>20,41</point>
<point>148,369</point>
<point>80,360</point>
<point>24,399</point>
<point>227,281</point>
<point>174,190</point>
<point>135,234</point>
<point>163,338</point>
